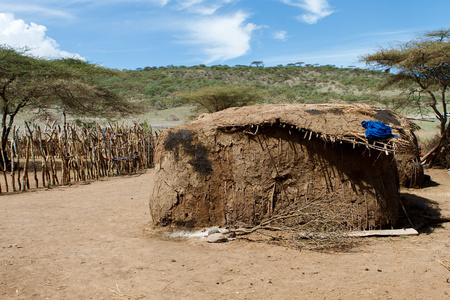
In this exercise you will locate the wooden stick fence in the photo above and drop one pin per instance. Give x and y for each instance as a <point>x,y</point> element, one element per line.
<point>56,155</point>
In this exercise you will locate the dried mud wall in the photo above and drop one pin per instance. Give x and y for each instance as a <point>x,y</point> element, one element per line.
<point>213,177</point>
<point>410,169</point>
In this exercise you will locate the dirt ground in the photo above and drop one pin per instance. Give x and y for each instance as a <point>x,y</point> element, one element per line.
<point>94,241</point>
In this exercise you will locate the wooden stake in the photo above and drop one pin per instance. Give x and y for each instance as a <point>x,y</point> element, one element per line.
<point>391,232</point>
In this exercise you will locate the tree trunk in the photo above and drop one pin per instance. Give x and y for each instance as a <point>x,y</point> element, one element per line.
<point>446,145</point>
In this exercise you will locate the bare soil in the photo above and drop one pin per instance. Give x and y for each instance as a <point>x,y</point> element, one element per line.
<point>96,241</point>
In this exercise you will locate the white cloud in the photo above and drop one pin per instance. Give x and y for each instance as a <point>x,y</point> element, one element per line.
<point>188,3</point>
<point>222,37</point>
<point>201,7</point>
<point>162,2</point>
<point>280,35</point>
<point>18,34</point>
<point>34,9</point>
<point>316,9</point>
<point>204,10</point>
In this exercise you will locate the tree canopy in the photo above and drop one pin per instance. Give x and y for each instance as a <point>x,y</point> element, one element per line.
<point>68,84</point>
<point>424,61</point>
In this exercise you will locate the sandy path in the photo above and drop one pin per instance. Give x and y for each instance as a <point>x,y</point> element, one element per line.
<point>84,241</point>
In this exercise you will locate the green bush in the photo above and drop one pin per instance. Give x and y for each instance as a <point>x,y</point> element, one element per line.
<point>216,98</point>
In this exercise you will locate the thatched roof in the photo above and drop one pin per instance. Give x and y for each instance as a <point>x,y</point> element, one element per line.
<point>331,122</point>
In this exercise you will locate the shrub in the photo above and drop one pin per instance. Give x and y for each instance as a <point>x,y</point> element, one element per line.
<point>216,98</point>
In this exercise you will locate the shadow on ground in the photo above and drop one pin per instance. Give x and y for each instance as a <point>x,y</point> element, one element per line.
<point>420,213</point>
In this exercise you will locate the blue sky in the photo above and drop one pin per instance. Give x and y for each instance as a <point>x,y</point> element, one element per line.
<point>128,34</point>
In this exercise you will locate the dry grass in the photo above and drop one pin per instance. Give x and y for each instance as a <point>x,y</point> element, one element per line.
<point>118,294</point>
<point>445,263</point>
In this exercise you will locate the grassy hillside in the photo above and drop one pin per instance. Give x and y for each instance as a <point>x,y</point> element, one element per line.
<point>160,90</point>
<point>163,87</point>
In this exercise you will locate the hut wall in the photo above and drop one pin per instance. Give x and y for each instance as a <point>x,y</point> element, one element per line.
<point>219,178</point>
<point>410,169</point>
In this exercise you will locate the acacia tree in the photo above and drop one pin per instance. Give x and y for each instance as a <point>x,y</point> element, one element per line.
<point>68,84</point>
<point>216,98</point>
<point>258,64</point>
<point>425,62</point>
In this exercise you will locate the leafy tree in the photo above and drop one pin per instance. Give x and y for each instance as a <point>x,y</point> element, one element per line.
<point>258,64</point>
<point>425,62</point>
<point>69,84</point>
<point>216,98</point>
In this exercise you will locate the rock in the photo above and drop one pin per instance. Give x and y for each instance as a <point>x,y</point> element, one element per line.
<point>213,230</point>
<point>172,117</point>
<point>216,238</point>
<point>231,235</point>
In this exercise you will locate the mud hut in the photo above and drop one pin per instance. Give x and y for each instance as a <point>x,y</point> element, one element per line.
<point>242,165</point>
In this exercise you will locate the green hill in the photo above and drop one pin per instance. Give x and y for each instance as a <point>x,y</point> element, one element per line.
<point>163,87</point>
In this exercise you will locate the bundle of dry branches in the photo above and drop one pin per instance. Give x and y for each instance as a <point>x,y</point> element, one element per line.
<point>314,226</point>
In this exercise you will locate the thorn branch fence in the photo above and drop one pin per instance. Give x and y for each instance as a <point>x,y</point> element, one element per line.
<point>60,155</point>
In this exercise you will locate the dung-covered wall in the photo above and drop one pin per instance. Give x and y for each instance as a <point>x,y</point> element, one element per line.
<point>410,169</point>
<point>236,177</point>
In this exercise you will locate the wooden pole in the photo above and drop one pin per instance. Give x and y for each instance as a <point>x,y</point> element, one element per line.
<point>33,154</point>
<point>13,171</point>
<point>26,182</point>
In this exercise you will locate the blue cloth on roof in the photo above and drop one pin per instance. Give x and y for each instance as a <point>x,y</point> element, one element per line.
<point>376,130</point>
